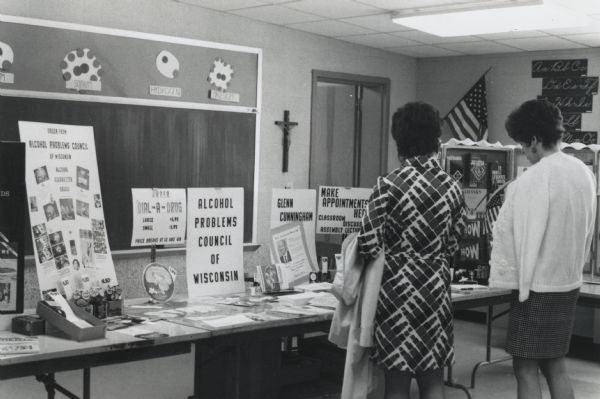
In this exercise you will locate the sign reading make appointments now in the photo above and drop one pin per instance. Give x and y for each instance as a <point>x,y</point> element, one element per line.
<point>340,209</point>
<point>215,238</point>
<point>158,216</point>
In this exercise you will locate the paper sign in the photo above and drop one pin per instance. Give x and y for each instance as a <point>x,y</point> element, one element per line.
<point>65,206</point>
<point>340,209</point>
<point>158,216</point>
<point>296,206</point>
<point>215,238</point>
<point>288,246</point>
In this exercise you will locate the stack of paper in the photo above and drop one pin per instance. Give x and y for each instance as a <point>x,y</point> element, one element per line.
<point>297,299</point>
<point>14,344</point>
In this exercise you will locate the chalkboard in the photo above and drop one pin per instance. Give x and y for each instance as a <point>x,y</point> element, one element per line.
<point>148,146</point>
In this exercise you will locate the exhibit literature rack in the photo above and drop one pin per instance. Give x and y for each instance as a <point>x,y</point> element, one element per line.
<point>482,169</point>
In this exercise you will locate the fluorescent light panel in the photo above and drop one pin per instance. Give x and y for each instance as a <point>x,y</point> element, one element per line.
<point>533,15</point>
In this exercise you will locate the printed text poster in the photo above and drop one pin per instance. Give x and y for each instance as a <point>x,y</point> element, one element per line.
<point>296,206</point>
<point>340,209</point>
<point>158,216</point>
<point>65,207</point>
<point>215,239</point>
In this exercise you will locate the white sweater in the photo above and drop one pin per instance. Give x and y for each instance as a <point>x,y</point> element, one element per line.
<point>545,227</point>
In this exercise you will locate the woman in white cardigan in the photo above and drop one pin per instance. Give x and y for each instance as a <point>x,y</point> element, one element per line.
<point>541,241</point>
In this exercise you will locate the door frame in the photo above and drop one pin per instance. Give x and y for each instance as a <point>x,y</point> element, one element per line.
<point>356,80</point>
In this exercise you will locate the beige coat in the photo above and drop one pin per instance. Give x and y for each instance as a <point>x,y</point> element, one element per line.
<point>357,287</point>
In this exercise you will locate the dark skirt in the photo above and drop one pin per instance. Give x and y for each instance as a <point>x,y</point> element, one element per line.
<point>540,327</point>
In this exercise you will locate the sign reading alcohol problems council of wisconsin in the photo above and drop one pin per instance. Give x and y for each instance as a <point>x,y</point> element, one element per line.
<point>215,238</point>
<point>340,209</point>
<point>158,216</point>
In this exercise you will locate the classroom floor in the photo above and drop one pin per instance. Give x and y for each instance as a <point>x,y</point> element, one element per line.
<point>493,382</point>
<point>172,377</point>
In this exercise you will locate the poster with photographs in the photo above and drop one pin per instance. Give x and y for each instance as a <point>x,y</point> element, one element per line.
<point>13,205</point>
<point>65,206</point>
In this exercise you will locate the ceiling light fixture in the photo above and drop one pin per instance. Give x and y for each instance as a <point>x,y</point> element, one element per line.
<point>477,18</point>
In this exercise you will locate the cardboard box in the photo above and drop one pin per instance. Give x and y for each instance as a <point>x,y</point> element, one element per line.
<point>28,325</point>
<point>72,331</point>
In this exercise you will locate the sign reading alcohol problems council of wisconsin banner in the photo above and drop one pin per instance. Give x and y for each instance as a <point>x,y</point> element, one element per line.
<point>215,238</point>
<point>340,209</point>
<point>158,216</point>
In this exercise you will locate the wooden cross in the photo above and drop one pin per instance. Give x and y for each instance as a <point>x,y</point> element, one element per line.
<point>286,125</point>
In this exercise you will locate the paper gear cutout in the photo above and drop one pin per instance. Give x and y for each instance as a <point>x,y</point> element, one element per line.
<point>81,64</point>
<point>221,74</point>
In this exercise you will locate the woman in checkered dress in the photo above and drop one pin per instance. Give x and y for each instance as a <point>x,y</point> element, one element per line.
<point>415,215</point>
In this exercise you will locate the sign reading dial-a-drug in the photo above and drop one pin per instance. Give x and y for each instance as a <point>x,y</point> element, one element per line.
<point>215,239</point>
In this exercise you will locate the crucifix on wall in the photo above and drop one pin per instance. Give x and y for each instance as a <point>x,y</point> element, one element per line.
<point>287,126</point>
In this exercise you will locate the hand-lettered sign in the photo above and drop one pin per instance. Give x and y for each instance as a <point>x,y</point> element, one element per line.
<point>546,68</point>
<point>570,103</point>
<point>571,121</point>
<point>570,86</point>
<point>584,137</point>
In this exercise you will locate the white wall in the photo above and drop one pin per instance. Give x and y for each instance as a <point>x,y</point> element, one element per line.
<point>443,81</point>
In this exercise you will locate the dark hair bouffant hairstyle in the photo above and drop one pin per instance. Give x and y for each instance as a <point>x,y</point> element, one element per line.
<point>416,128</point>
<point>535,118</point>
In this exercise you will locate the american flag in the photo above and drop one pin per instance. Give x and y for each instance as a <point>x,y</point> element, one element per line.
<point>468,118</point>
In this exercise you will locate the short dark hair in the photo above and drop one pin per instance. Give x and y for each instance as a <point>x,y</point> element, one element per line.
<point>536,118</point>
<point>416,128</point>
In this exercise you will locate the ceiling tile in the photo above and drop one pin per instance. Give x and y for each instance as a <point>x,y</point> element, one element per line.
<point>378,23</point>
<point>541,43</point>
<point>593,27</point>
<point>483,47</point>
<point>330,28</point>
<point>423,51</point>
<point>333,8</point>
<point>403,4</point>
<point>513,35</point>
<point>418,36</point>
<point>230,4</point>
<point>589,39</point>
<point>276,15</point>
<point>380,40</point>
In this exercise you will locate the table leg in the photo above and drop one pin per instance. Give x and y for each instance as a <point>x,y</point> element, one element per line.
<point>450,383</point>
<point>86,383</point>
<point>488,345</point>
<point>48,381</point>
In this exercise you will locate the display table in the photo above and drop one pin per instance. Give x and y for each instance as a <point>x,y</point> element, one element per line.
<point>232,361</point>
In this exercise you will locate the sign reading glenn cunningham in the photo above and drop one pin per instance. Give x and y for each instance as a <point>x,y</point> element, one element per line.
<point>215,238</point>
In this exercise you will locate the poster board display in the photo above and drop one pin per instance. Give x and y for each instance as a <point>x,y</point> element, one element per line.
<point>215,237</point>
<point>12,226</point>
<point>158,216</point>
<point>296,206</point>
<point>65,207</point>
<point>340,209</point>
<point>288,246</point>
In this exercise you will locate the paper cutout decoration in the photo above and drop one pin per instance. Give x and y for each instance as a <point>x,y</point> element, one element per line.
<point>7,57</point>
<point>221,74</point>
<point>81,70</point>
<point>167,64</point>
<point>159,281</point>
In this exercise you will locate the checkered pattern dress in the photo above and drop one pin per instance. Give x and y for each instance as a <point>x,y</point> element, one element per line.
<point>416,214</point>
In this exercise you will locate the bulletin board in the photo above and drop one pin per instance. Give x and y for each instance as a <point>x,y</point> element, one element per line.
<point>167,112</point>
